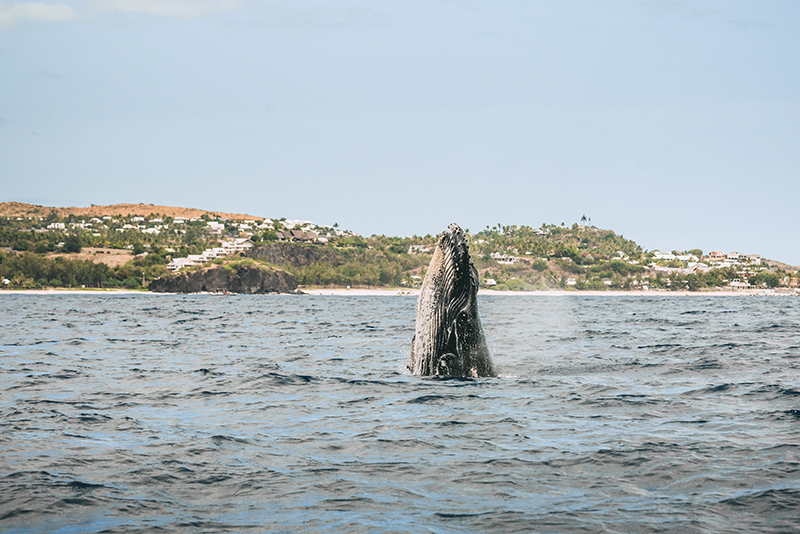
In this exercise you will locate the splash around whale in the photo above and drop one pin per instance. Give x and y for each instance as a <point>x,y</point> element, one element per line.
<point>448,338</point>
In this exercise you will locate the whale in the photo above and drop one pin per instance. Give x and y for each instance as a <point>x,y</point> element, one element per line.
<point>448,335</point>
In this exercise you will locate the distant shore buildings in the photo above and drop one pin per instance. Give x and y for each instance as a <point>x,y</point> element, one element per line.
<point>230,247</point>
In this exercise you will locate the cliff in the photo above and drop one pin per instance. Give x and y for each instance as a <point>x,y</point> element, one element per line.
<point>247,279</point>
<point>296,254</point>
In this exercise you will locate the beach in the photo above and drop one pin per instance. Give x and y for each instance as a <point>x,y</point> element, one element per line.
<point>69,291</point>
<point>552,293</point>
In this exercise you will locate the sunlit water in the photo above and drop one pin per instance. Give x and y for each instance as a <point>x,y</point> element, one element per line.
<point>294,413</point>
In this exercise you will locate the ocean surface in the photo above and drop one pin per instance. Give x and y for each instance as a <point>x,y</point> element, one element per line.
<point>279,413</point>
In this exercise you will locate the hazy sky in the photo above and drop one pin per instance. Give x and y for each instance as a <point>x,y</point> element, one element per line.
<point>676,124</point>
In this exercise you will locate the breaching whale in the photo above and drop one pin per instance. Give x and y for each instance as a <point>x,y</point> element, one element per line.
<point>448,338</point>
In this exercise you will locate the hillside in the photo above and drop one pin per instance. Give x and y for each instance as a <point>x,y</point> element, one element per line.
<point>131,245</point>
<point>20,209</point>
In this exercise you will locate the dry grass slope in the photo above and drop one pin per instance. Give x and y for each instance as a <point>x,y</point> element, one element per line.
<point>20,209</point>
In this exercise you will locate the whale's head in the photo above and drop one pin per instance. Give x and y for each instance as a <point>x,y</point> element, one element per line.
<point>451,276</point>
<point>449,337</point>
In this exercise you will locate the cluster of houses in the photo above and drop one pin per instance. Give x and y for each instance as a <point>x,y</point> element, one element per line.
<point>138,224</point>
<point>286,230</point>
<point>301,236</point>
<point>233,247</point>
<point>713,260</point>
<point>229,248</point>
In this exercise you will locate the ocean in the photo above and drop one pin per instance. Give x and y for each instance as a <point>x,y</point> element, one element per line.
<point>287,413</point>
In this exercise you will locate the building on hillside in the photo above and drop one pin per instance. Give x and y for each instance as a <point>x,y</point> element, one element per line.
<point>237,245</point>
<point>179,263</point>
<point>503,258</point>
<point>697,266</point>
<point>215,227</point>
<point>668,256</point>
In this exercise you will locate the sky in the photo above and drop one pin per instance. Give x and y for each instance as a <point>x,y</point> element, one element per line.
<point>675,124</point>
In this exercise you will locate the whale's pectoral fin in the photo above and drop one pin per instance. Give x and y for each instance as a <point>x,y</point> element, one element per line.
<point>448,361</point>
<point>452,339</point>
<point>411,362</point>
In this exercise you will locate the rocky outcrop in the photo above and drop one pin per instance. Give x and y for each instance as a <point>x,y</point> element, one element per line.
<point>248,279</point>
<point>295,254</point>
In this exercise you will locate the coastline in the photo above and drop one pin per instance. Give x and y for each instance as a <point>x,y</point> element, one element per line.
<point>393,292</point>
<point>71,291</point>
<point>550,293</point>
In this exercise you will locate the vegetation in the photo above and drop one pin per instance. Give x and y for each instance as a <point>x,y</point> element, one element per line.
<point>355,261</point>
<point>514,258</point>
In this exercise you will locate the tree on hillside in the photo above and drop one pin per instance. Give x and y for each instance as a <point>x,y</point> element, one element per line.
<point>766,278</point>
<point>72,244</point>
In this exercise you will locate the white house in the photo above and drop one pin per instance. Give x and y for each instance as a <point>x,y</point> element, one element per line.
<point>663,256</point>
<point>237,245</point>
<point>502,258</point>
<point>178,263</point>
<point>215,227</point>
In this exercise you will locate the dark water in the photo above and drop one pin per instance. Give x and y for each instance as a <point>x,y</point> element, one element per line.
<point>293,413</point>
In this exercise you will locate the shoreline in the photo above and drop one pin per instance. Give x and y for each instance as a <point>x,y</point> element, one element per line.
<point>548,293</point>
<point>393,292</point>
<point>71,291</point>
